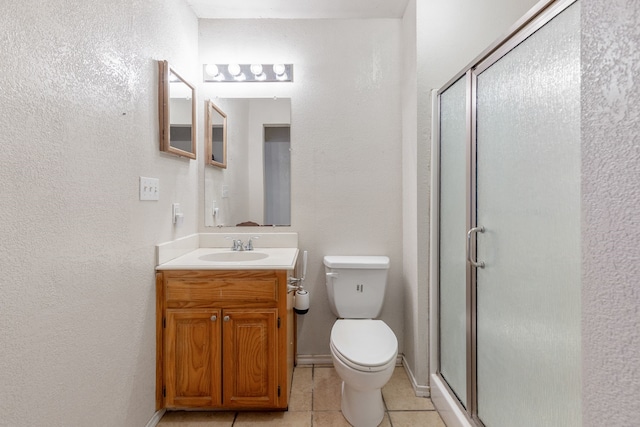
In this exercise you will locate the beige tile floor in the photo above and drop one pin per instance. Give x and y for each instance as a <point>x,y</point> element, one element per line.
<point>315,402</point>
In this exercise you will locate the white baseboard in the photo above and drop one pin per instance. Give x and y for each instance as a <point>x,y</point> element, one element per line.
<point>325,359</point>
<point>313,359</point>
<point>153,422</point>
<point>419,390</point>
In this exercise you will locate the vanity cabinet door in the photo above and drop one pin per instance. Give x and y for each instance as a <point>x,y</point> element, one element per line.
<point>192,358</point>
<point>250,346</point>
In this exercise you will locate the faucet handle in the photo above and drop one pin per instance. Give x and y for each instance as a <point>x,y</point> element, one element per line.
<point>249,246</point>
<point>237,244</point>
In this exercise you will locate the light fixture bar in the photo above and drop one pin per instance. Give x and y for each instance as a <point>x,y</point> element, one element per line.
<point>228,73</point>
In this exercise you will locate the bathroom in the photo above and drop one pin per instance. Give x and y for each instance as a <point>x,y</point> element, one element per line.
<point>79,108</point>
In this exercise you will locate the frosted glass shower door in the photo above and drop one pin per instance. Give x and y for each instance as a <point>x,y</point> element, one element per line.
<point>528,200</point>
<point>454,145</point>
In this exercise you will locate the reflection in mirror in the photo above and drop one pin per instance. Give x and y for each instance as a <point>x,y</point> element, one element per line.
<point>215,135</point>
<point>177,112</point>
<point>255,188</point>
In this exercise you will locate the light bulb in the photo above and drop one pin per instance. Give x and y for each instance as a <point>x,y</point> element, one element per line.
<point>279,69</point>
<point>256,69</point>
<point>234,69</point>
<point>212,70</point>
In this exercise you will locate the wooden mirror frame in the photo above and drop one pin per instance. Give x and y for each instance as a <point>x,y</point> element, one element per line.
<point>164,92</point>
<point>210,110</point>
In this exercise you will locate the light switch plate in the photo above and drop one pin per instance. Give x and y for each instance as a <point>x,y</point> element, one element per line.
<point>149,188</point>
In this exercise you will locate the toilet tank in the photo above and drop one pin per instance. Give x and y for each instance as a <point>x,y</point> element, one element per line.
<point>356,285</point>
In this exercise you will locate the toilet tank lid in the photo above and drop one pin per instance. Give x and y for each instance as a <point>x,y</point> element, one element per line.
<point>368,262</point>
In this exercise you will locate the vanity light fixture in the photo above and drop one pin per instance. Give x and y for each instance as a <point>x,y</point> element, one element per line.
<point>248,72</point>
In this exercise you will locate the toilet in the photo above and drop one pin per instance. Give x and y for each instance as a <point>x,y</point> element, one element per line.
<point>363,349</point>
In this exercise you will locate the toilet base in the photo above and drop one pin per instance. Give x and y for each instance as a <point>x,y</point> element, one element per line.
<point>362,408</point>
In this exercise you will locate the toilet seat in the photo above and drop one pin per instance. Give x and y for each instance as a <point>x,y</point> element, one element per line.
<point>364,344</point>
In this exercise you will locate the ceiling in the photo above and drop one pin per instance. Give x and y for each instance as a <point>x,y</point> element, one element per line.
<point>298,9</point>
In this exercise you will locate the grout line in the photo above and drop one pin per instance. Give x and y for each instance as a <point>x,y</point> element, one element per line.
<point>386,409</point>
<point>313,386</point>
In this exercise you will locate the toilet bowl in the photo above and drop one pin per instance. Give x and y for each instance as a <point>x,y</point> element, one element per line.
<point>363,349</point>
<point>364,355</point>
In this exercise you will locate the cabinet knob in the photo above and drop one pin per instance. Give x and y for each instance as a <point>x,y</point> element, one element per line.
<point>214,318</point>
<point>226,318</point>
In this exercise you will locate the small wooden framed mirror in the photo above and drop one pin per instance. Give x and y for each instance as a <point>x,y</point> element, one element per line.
<point>215,136</point>
<point>177,112</point>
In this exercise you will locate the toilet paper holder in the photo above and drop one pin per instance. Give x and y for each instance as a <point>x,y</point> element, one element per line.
<point>295,284</point>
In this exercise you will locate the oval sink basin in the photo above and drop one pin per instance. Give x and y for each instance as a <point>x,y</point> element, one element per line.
<point>234,256</point>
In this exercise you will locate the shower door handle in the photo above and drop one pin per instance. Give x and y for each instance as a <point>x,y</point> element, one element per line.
<point>469,257</point>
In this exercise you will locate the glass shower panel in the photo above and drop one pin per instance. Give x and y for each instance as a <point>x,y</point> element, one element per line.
<point>528,192</point>
<point>453,220</point>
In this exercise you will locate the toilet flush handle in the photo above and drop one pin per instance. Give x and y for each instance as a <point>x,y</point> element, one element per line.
<point>332,275</point>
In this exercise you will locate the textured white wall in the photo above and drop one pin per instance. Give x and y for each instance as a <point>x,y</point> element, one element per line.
<point>415,350</point>
<point>78,107</point>
<point>345,137</point>
<point>610,212</point>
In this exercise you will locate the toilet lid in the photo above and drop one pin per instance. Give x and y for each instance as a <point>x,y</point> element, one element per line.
<point>364,342</point>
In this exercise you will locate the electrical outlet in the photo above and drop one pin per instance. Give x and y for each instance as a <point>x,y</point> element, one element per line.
<point>149,188</point>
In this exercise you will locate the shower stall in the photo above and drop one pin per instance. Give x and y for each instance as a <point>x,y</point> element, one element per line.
<point>506,249</point>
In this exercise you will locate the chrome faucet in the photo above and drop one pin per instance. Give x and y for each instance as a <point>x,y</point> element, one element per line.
<point>238,245</point>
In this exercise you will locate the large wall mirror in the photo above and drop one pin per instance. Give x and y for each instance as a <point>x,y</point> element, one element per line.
<point>177,112</point>
<point>215,135</point>
<point>255,188</point>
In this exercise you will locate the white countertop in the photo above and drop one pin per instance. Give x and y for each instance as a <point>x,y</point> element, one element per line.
<point>276,259</point>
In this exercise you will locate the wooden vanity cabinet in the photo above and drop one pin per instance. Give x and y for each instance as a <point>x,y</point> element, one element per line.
<point>225,339</point>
